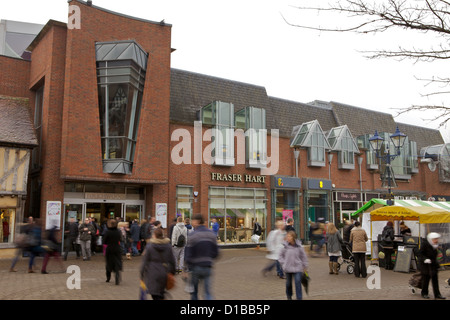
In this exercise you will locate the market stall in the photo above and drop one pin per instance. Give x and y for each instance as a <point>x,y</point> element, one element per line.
<point>420,219</point>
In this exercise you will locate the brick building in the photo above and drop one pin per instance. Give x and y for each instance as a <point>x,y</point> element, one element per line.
<point>120,135</point>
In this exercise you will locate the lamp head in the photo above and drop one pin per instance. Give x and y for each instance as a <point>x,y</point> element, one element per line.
<point>376,142</point>
<point>398,138</point>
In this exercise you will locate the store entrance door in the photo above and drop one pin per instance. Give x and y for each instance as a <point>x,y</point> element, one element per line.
<point>101,211</point>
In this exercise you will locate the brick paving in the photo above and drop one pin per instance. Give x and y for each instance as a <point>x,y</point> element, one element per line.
<point>237,276</point>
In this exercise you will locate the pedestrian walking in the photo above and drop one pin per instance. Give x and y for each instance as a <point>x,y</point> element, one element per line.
<point>274,244</point>
<point>257,231</point>
<point>387,243</point>
<point>71,241</point>
<point>94,235</point>
<point>113,252</point>
<point>86,230</point>
<point>334,247</point>
<point>429,265</point>
<point>294,262</point>
<point>52,249</point>
<point>358,238</point>
<point>201,250</point>
<point>158,261</point>
<point>22,242</point>
<point>135,235</point>
<point>179,239</point>
<point>34,245</point>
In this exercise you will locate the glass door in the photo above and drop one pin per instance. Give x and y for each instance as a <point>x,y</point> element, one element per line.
<point>101,211</point>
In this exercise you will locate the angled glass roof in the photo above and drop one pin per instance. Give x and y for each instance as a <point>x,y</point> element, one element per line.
<point>121,50</point>
<point>310,134</point>
<point>340,139</point>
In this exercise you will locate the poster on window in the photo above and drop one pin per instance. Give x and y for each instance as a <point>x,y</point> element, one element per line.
<point>161,214</point>
<point>288,214</point>
<point>53,215</point>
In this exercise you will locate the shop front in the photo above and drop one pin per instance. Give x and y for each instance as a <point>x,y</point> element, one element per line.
<point>317,201</point>
<point>236,210</point>
<point>103,201</point>
<point>285,199</point>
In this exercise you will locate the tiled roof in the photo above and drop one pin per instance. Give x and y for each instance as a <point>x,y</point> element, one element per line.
<point>16,125</point>
<point>191,91</point>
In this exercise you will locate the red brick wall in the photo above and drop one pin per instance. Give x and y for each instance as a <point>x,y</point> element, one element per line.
<point>81,157</point>
<point>14,77</point>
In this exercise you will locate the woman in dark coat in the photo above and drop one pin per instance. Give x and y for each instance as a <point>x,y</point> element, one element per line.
<point>158,260</point>
<point>113,252</point>
<point>429,265</point>
<point>387,242</point>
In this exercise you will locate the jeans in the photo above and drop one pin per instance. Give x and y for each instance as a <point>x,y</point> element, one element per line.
<point>273,264</point>
<point>134,249</point>
<point>86,248</point>
<point>201,273</point>
<point>297,282</point>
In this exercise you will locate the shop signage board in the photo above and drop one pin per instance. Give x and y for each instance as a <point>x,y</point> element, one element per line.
<point>53,215</point>
<point>280,182</point>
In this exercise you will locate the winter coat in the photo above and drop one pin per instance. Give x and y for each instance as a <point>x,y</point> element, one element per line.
<point>274,243</point>
<point>84,234</point>
<point>201,248</point>
<point>158,260</point>
<point>113,254</point>
<point>428,252</point>
<point>358,238</point>
<point>387,237</point>
<point>135,232</point>
<point>293,258</point>
<point>179,229</point>
<point>334,242</point>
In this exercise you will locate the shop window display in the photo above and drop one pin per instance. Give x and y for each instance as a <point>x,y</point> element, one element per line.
<point>236,210</point>
<point>7,217</point>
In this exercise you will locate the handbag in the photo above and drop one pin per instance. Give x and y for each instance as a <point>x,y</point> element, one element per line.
<point>255,238</point>
<point>170,277</point>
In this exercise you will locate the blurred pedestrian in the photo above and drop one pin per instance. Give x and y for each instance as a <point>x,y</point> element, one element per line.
<point>52,249</point>
<point>34,245</point>
<point>358,238</point>
<point>86,230</point>
<point>257,232</point>
<point>113,253</point>
<point>22,241</point>
<point>290,225</point>
<point>429,266</point>
<point>274,244</point>
<point>318,236</point>
<point>94,235</point>
<point>157,262</point>
<point>201,250</point>
<point>179,239</point>
<point>135,235</point>
<point>334,247</point>
<point>387,243</point>
<point>125,243</point>
<point>71,241</point>
<point>294,262</point>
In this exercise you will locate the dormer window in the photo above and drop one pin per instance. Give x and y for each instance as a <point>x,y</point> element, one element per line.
<point>341,140</point>
<point>310,135</point>
<point>220,115</point>
<point>253,121</point>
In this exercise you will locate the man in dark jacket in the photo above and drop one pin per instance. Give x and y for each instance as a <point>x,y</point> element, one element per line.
<point>71,241</point>
<point>429,265</point>
<point>201,250</point>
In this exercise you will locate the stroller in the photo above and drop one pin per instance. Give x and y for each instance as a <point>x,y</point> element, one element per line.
<point>347,257</point>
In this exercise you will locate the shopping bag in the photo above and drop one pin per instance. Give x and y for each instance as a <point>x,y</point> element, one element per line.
<point>305,281</point>
<point>255,238</point>
<point>142,291</point>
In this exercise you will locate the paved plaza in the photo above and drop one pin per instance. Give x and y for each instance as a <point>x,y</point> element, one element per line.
<point>237,276</point>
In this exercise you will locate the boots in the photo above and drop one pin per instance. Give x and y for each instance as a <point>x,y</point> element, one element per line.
<point>335,268</point>
<point>330,264</point>
<point>108,276</point>
<point>117,277</point>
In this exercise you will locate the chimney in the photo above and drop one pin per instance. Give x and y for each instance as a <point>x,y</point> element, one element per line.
<point>89,3</point>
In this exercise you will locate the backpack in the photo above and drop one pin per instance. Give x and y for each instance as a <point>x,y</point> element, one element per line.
<point>181,241</point>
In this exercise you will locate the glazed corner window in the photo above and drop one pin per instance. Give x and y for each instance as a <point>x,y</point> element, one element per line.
<point>253,121</point>
<point>341,140</point>
<point>310,135</point>
<point>121,68</point>
<point>220,115</point>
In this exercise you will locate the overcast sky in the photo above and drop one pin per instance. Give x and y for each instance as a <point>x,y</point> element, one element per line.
<point>249,41</point>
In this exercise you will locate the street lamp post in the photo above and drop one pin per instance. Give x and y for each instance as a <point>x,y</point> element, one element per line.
<point>398,139</point>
